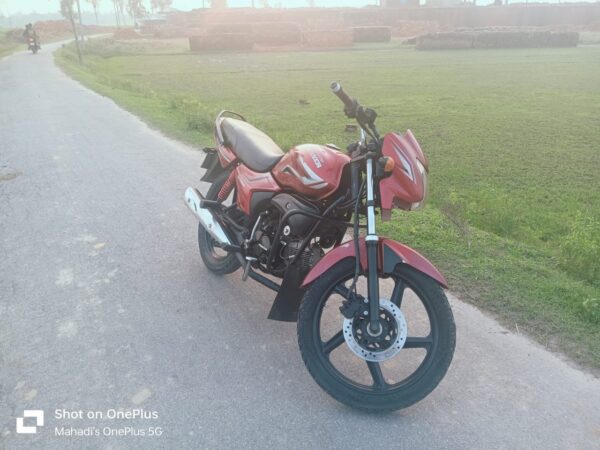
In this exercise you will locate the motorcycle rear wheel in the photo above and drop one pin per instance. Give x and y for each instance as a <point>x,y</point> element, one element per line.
<point>377,386</point>
<point>215,259</point>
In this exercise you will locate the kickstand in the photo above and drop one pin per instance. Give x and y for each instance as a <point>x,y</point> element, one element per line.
<point>249,260</point>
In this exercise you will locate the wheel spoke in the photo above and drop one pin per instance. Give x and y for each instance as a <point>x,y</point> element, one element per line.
<point>378,380</point>
<point>398,293</point>
<point>334,342</point>
<point>418,342</point>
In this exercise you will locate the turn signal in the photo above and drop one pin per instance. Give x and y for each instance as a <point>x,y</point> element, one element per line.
<point>385,166</point>
<point>389,164</point>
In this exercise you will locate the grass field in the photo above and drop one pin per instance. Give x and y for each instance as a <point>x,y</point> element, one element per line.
<point>513,138</point>
<point>8,45</point>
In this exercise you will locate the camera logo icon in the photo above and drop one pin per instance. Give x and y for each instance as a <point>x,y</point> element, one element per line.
<point>37,414</point>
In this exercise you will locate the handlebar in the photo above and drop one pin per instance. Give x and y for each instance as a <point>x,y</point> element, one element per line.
<point>353,110</point>
<point>349,102</point>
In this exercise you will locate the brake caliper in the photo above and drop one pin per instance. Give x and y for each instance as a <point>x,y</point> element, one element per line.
<point>353,305</point>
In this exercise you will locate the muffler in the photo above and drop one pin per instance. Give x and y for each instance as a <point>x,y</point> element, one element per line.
<point>194,201</point>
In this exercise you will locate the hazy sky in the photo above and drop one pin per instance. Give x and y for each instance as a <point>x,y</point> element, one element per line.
<point>45,6</point>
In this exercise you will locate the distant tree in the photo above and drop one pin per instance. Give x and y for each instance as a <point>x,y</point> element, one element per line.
<point>79,14</point>
<point>136,9</point>
<point>311,3</point>
<point>95,4</point>
<point>66,9</point>
<point>121,9</point>
<point>160,5</point>
<point>117,16</point>
<point>265,3</point>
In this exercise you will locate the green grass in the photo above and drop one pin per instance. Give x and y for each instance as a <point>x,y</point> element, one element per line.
<point>7,44</point>
<point>513,139</point>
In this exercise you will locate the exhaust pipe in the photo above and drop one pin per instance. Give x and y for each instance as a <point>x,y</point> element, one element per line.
<point>194,200</point>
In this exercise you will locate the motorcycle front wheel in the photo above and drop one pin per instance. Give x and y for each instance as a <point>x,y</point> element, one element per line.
<point>419,342</point>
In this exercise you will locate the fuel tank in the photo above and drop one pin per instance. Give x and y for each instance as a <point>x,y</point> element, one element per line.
<point>311,169</point>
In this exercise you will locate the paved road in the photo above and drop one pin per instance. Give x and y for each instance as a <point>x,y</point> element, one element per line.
<point>106,304</point>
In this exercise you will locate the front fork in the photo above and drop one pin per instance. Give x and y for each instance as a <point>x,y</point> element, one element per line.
<point>371,238</point>
<point>371,241</point>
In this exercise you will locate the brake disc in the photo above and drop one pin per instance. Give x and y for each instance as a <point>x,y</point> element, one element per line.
<point>380,347</point>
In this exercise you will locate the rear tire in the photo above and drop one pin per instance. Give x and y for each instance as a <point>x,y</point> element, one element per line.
<point>218,264</point>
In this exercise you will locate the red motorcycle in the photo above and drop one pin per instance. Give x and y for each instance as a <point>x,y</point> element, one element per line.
<point>375,330</point>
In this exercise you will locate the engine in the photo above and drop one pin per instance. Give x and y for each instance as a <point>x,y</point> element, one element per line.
<point>284,227</point>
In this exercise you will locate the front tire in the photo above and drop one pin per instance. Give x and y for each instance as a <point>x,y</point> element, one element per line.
<point>216,260</point>
<point>374,391</point>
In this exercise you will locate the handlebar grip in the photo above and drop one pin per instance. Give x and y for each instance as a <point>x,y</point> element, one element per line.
<point>337,89</point>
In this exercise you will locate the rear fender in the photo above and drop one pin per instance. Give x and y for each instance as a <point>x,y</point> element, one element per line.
<point>212,165</point>
<point>389,254</point>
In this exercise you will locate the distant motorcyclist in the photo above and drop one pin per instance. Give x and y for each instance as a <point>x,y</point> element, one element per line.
<point>29,31</point>
<point>31,38</point>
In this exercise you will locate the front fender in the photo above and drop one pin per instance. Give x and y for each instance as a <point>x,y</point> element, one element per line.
<point>389,254</point>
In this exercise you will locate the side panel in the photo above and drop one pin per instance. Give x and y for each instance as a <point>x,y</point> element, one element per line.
<point>389,252</point>
<point>248,182</point>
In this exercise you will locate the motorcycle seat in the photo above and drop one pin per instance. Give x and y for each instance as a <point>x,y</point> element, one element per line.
<point>252,146</point>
